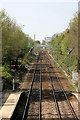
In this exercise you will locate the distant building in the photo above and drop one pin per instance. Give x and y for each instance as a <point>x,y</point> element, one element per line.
<point>48,39</point>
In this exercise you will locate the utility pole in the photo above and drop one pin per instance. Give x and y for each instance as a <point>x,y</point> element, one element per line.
<point>13,85</point>
<point>30,48</point>
<point>34,37</point>
<point>13,76</point>
<point>69,60</point>
<point>52,47</point>
<point>57,49</point>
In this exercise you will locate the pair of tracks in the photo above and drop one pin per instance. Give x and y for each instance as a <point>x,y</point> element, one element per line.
<point>35,94</point>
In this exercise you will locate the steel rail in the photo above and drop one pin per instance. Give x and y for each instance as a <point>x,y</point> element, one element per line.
<point>40,87</point>
<point>30,90</point>
<point>73,112</point>
<point>59,114</point>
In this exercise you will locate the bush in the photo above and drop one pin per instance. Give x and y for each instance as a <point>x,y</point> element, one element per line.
<point>6,77</point>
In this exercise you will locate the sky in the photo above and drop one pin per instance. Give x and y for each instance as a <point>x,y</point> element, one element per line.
<point>43,19</point>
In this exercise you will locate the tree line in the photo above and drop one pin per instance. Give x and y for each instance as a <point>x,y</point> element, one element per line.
<point>67,40</point>
<point>15,45</point>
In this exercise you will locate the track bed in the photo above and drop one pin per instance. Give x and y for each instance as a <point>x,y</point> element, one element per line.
<point>48,96</point>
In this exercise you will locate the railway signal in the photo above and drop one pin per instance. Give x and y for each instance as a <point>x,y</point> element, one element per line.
<point>57,49</point>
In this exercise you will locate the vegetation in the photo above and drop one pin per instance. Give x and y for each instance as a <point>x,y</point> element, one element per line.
<point>61,44</point>
<point>43,42</point>
<point>37,42</point>
<point>15,45</point>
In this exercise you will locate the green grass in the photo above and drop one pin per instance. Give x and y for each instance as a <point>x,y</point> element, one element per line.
<point>73,89</point>
<point>76,84</point>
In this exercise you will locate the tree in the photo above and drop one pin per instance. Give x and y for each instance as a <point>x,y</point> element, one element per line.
<point>43,42</point>
<point>37,42</point>
<point>15,44</point>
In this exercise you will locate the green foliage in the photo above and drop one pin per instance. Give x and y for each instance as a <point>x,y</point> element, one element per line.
<point>14,41</point>
<point>6,77</point>
<point>37,42</point>
<point>43,42</point>
<point>15,44</point>
<point>68,39</point>
<point>5,72</point>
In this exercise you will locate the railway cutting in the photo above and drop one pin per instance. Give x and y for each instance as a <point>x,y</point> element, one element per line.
<point>46,94</point>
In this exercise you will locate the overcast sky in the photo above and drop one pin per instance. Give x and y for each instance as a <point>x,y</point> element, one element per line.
<point>41,18</point>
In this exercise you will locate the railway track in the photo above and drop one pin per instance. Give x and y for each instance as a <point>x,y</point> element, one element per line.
<point>72,113</point>
<point>46,99</point>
